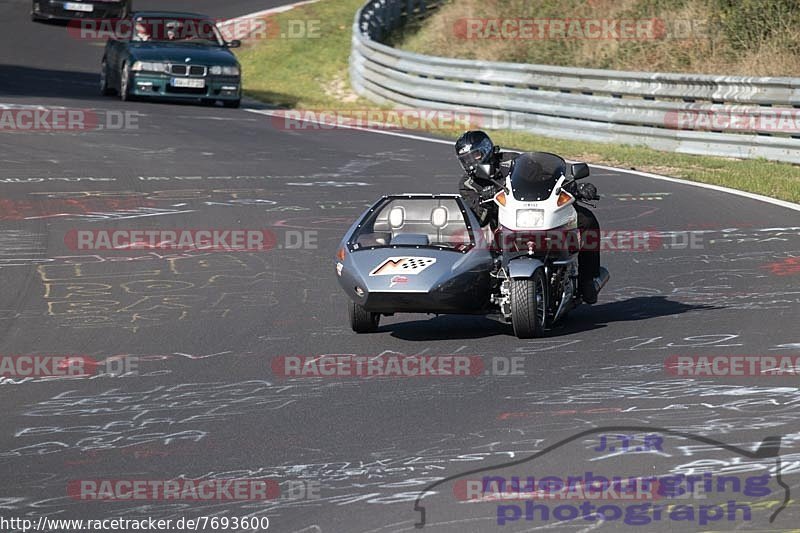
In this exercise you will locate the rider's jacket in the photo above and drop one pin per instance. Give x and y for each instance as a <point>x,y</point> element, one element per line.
<point>470,187</point>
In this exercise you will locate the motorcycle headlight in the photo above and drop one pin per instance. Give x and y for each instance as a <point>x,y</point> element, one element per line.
<point>530,218</point>
<point>224,71</point>
<point>149,66</point>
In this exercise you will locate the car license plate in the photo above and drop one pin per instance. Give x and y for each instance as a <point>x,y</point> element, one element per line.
<point>74,6</point>
<point>192,83</point>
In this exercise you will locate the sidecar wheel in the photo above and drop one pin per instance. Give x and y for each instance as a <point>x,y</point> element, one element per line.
<point>529,305</point>
<point>361,320</point>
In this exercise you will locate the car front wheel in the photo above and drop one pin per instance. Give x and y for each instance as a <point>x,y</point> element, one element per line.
<point>124,83</point>
<point>105,89</point>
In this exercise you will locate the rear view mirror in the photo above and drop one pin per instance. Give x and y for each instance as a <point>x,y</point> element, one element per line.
<point>580,171</point>
<point>236,43</point>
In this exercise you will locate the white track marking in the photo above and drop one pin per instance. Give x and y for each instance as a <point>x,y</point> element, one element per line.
<point>718,188</point>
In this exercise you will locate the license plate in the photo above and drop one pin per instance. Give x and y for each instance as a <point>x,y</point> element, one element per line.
<point>192,83</point>
<point>74,6</point>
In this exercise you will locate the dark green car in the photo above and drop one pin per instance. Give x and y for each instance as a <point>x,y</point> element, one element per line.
<point>171,55</point>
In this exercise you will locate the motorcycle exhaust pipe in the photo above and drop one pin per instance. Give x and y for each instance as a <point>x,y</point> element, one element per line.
<point>601,280</point>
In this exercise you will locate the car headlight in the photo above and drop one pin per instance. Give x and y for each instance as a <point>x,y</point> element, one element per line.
<point>224,71</point>
<point>149,66</point>
<point>530,218</point>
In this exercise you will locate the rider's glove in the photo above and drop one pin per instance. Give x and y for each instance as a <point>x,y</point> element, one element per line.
<point>487,192</point>
<point>586,191</point>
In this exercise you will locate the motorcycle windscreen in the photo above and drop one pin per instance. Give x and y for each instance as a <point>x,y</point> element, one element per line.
<point>534,176</point>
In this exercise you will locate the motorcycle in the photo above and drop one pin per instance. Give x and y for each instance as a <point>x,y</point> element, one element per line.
<point>539,241</point>
<point>427,253</point>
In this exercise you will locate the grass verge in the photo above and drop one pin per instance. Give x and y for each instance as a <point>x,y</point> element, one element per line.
<point>312,73</point>
<point>727,37</point>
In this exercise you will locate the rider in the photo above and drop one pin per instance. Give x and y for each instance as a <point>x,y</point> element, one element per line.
<point>142,33</point>
<point>484,162</point>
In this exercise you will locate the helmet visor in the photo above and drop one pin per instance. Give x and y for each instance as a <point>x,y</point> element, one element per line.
<point>471,158</point>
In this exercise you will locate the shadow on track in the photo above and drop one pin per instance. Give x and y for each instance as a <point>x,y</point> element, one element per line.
<point>585,318</point>
<point>36,82</point>
<point>448,327</point>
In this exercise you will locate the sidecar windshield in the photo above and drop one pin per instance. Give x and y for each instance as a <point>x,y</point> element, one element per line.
<point>415,222</point>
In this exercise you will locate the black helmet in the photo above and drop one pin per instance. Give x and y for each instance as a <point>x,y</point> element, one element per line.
<point>474,148</point>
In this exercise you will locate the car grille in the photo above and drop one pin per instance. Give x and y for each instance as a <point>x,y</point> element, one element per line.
<point>188,70</point>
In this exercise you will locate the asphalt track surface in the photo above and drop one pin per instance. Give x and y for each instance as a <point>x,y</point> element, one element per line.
<point>204,402</point>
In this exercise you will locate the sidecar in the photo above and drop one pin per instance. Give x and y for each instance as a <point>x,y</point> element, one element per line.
<point>415,253</point>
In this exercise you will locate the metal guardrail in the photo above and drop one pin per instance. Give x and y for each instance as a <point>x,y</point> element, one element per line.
<point>733,116</point>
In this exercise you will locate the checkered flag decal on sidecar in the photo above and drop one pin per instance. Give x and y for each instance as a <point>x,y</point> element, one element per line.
<point>410,266</point>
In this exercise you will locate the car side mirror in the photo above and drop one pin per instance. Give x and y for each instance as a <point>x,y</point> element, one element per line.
<point>580,171</point>
<point>236,43</point>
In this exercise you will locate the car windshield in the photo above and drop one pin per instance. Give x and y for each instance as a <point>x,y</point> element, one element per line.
<point>403,221</point>
<point>184,30</point>
<point>534,176</point>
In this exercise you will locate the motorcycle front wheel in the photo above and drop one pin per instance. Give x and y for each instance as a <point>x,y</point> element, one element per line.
<point>529,305</point>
